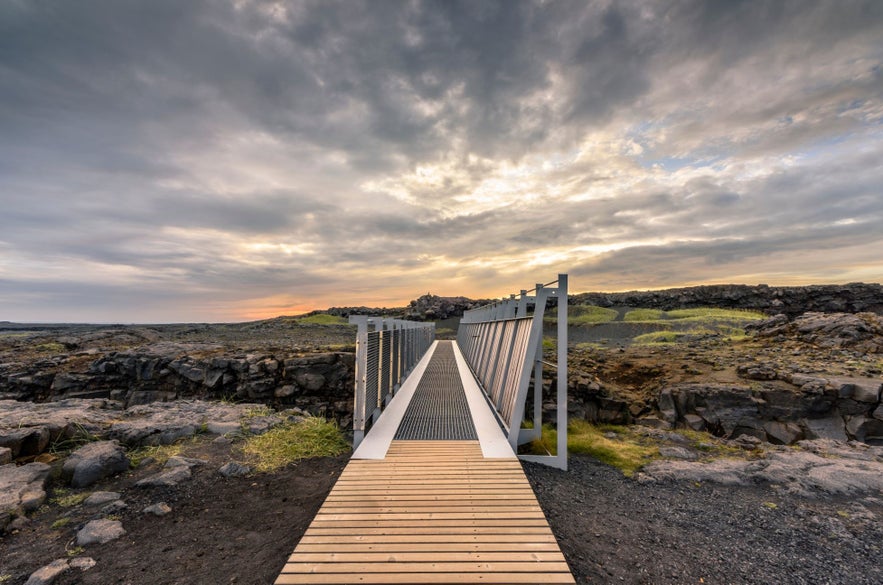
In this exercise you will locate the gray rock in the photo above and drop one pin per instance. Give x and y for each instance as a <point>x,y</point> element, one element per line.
<point>825,467</point>
<point>859,389</point>
<point>285,391</point>
<point>825,428</point>
<point>113,507</point>
<point>100,532</point>
<point>188,462</point>
<point>168,478</point>
<point>99,498</point>
<point>22,489</point>
<point>672,452</point>
<point>82,563</point>
<point>25,441</point>
<point>694,421</point>
<point>5,455</point>
<point>46,575</point>
<point>878,413</point>
<point>310,381</point>
<point>866,429</point>
<point>782,433</point>
<point>158,509</point>
<point>234,469</point>
<point>95,461</point>
<point>223,427</point>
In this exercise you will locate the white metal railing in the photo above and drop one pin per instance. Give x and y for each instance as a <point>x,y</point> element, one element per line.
<point>386,352</point>
<point>503,344</point>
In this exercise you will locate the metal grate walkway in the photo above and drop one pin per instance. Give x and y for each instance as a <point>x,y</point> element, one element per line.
<point>438,411</point>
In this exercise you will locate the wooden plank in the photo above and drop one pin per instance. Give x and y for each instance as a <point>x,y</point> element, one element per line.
<point>357,524</point>
<point>420,499</point>
<point>393,578</point>
<point>424,557</point>
<point>339,537</point>
<point>428,516</point>
<point>428,567</point>
<point>417,531</point>
<point>393,547</point>
<point>488,506</point>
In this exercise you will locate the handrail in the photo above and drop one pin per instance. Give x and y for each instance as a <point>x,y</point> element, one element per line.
<point>386,352</point>
<point>501,341</point>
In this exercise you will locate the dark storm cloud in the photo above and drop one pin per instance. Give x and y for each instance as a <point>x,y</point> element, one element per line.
<point>260,147</point>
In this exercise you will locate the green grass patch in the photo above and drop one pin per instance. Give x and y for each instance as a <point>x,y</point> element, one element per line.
<point>50,347</point>
<point>322,319</point>
<point>60,523</point>
<point>590,346</point>
<point>644,315</point>
<point>66,499</point>
<point>627,452</point>
<point>582,315</point>
<point>159,453</point>
<point>290,442</point>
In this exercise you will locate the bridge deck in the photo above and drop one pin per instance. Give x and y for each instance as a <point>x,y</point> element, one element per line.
<point>430,511</point>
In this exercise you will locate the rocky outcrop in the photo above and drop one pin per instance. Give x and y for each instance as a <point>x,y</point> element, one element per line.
<point>862,332</point>
<point>431,307</point>
<point>74,421</point>
<point>319,383</point>
<point>789,300</point>
<point>793,407</point>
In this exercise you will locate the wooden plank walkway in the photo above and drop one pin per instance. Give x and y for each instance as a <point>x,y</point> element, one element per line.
<point>430,512</point>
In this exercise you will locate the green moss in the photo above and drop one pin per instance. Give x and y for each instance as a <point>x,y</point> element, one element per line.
<point>583,315</point>
<point>60,523</point>
<point>644,315</point>
<point>50,348</point>
<point>290,442</point>
<point>701,313</point>
<point>659,337</point>
<point>322,319</point>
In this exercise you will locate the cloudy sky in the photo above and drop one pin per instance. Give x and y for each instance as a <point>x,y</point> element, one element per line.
<point>228,160</point>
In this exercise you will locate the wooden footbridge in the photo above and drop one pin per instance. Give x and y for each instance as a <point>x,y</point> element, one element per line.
<point>435,492</point>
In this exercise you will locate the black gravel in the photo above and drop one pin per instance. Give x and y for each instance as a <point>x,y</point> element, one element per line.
<point>617,530</point>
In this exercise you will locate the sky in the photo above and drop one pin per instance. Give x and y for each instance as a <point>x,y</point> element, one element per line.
<point>168,161</point>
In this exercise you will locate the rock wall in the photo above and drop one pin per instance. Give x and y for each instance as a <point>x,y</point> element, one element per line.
<point>321,384</point>
<point>794,300</point>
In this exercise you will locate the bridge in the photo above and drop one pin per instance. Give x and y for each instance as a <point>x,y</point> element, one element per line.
<point>435,492</point>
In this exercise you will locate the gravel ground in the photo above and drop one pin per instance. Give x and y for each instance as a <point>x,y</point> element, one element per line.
<point>617,530</point>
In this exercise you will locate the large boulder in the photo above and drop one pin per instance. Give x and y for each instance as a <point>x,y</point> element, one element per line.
<point>93,462</point>
<point>22,489</point>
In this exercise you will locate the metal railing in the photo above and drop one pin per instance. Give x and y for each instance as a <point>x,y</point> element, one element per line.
<point>503,344</point>
<point>386,352</point>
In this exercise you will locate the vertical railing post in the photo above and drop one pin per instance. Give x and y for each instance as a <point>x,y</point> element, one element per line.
<point>561,374</point>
